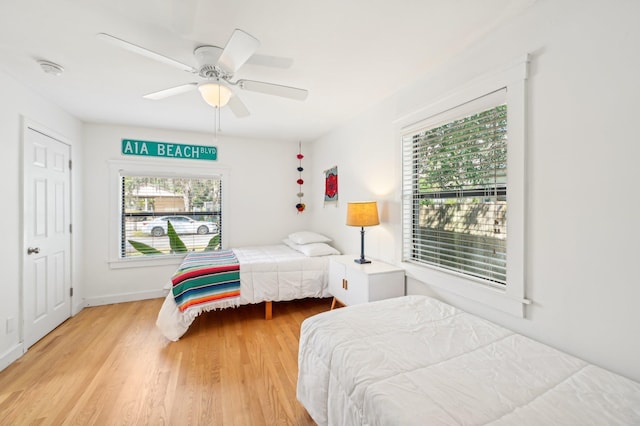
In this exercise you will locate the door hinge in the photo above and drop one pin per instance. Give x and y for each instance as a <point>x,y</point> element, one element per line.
<point>70,228</point>
<point>71,291</point>
<point>69,164</point>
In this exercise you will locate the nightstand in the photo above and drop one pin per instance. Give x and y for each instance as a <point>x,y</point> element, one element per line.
<point>351,283</point>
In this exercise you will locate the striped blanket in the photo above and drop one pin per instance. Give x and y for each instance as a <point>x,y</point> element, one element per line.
<point>206,281</point>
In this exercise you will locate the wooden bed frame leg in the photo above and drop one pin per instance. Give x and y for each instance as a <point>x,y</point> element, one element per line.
<point>268,310</point>
<point>336,304</point>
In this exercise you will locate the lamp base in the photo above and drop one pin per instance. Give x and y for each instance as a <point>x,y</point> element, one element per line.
<point>362,260</point>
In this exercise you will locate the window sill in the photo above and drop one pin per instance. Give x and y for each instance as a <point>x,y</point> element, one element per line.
<point>142,262</point>
<point>461,285</point>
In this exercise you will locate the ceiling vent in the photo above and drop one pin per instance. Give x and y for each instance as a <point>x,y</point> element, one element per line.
<point>51,68</point>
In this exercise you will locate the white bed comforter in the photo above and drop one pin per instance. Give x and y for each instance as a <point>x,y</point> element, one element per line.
<point>278,273</point>
<point>417,361</point>
<point>267,273</point>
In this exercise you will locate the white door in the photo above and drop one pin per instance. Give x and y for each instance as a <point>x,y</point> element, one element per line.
<point>47,235</point>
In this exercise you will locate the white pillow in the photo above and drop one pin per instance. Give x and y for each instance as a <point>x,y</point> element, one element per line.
<point>308,237</point>
<point>312,249</point>
<point>317,249</point>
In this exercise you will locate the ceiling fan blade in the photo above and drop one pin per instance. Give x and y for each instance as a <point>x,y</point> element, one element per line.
<point>171,91</point>
<point>274,89</point>
<point>145,52</point>
<point>237,107</point>
<point>270,61</point>
<point>240,47</point>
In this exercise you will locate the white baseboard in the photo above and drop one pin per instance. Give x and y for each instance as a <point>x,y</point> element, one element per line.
<point>124,297</point>
<point>11,355</point>
<point>77,307</point>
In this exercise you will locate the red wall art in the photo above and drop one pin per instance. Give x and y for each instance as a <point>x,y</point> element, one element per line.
<point>331,185</point>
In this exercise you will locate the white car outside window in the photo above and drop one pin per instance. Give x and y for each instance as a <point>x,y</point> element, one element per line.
<point>182,225</point>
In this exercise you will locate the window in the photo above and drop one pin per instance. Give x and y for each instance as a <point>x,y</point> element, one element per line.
<point>148,197</point>
<point>457,176</point>
<point>463,191</point>
<point>150,204</point>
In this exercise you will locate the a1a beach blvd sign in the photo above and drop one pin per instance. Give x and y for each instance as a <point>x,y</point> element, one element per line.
<point>169,150</point>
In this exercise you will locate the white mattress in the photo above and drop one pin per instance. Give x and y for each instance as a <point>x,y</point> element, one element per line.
<point>417,361</point>
<point>267,273</point>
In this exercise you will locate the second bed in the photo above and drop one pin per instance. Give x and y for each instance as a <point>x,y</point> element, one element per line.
<point>242,276</point>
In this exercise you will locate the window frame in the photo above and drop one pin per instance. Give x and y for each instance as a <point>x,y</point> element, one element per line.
<point>174,169</point>
<point>511,298</point>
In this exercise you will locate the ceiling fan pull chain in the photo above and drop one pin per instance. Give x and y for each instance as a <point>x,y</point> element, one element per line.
<point>215,125</point>
<point>218,107</point>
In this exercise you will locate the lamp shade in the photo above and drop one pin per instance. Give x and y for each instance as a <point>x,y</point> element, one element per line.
<point>215,94</point>
<point>362,213</point>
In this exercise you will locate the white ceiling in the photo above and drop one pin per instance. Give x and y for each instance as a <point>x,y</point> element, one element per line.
<point>349,54</point>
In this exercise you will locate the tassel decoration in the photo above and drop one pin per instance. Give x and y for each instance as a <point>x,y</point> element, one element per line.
<point>300,206</point>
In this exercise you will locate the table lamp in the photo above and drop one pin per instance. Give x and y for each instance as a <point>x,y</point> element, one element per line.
<point>362,213</point>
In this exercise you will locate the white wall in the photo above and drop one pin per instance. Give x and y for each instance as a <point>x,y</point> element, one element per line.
<point>582,170</point>
<point>16,104</point>
<point>261,201</point>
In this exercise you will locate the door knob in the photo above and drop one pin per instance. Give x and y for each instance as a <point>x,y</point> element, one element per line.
<point>32,250</point>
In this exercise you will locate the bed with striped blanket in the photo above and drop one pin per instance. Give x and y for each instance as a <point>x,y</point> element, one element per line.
<point>207,281</point>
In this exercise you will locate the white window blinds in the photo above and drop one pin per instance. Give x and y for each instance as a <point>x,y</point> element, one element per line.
<point>455,191</point>
<point>152,204</point>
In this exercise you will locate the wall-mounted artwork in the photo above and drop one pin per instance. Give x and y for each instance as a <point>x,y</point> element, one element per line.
<point>331,185</point>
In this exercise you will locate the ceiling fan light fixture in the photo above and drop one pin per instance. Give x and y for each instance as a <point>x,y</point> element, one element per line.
<point>215,94</point>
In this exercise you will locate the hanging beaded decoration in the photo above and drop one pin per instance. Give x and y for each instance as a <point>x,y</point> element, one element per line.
<point>300,206</point>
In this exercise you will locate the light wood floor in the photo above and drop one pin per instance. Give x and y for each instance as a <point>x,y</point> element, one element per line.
<point>109,365</point>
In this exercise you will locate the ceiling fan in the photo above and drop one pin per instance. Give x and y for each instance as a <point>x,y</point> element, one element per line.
<point>216,67</point>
